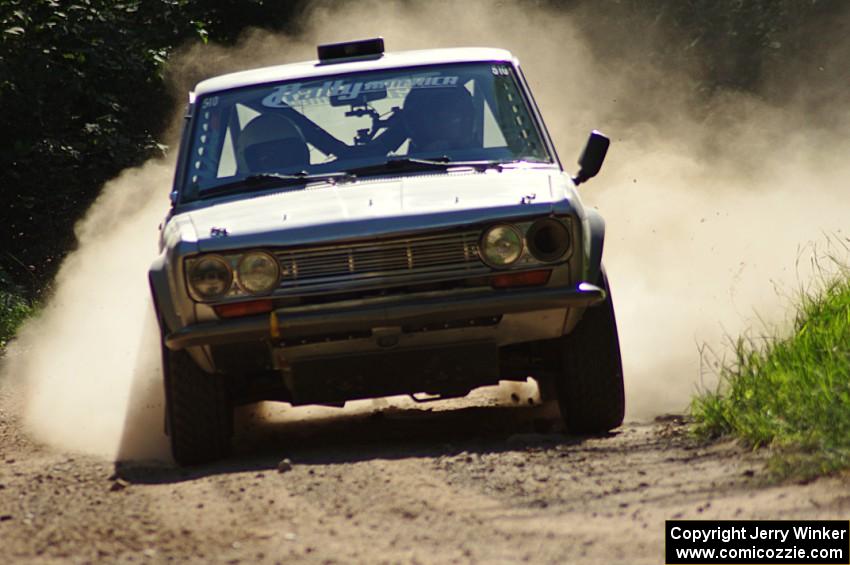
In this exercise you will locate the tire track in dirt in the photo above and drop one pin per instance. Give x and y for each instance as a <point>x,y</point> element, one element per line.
<point>472,485</point>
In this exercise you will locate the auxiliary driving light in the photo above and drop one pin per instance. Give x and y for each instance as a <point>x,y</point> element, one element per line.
<point>501,245</point>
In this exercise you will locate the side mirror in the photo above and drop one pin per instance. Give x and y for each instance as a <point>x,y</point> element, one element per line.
<point>592,157</point>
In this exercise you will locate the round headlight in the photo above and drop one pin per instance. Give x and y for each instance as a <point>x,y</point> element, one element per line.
<point>210,277</point>
<point>501,245</point>
<point>258,273</point>
<point>548,239</point>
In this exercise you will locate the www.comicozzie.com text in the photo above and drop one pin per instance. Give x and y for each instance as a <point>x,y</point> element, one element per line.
<point>726,534</point>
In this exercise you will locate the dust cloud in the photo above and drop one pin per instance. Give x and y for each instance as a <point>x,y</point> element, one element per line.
<point>708,204</point>
<point>94,343</point>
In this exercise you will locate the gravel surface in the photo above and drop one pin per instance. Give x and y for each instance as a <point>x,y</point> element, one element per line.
<point>475,484</point>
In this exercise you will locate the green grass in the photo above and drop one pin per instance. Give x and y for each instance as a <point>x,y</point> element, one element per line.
<point>13,311</point>
<point>790,393</point>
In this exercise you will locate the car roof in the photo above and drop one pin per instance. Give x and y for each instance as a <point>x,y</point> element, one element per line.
<point>313,69</point>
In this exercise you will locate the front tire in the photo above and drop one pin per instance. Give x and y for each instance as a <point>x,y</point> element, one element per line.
<point>589,382</point>
<point>199,410</point>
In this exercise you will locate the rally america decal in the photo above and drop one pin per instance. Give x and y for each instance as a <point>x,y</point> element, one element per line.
<point>306,93</point>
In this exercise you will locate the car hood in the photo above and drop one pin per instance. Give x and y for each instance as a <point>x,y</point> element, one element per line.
<point>372,207</point>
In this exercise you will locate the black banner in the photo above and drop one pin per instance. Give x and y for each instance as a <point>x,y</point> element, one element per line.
<point>817,542</point>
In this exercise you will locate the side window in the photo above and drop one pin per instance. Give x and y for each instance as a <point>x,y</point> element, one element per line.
<point>515,119</point>
<point>227,161</point>
<point>203,161</point>
<point>492,132</point>
<point>488,130</point>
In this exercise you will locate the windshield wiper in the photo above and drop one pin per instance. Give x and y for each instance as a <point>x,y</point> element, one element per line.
<point>272,180</point>
<point>402,165</point>
<point>390,166</point>
<point>411,164</point>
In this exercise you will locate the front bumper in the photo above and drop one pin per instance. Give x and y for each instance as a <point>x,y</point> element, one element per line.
<point>358,315</point>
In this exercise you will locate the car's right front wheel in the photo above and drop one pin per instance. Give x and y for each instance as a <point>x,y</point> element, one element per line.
<point>198,409</point>
<point>589,375</point>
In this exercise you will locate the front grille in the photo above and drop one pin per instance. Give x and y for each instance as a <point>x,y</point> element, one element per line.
<point>391,261</point>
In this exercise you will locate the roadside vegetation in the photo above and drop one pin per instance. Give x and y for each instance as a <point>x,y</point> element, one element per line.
<point>14,309</point>
<point>790,393</point>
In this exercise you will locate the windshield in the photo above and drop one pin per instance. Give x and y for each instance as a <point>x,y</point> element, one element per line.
<point>333,124</point>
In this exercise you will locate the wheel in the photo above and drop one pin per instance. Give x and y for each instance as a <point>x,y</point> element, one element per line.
<point>589,381</point>
<point>199,411</point>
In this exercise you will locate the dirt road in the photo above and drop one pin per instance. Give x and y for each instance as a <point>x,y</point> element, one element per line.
<point>410,485</point>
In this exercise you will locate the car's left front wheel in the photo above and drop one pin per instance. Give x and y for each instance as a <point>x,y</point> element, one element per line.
<point>199,410</point>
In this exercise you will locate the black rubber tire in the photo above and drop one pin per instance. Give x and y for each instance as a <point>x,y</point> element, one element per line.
<point>199,410</point>
<point>590,384</point>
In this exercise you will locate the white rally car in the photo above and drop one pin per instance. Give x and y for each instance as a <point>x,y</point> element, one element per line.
<point>374,224</point>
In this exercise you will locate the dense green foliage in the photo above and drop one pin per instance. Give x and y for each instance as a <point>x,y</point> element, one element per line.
<point>791,393</point>
<point>13,309</point>
<point>83,98</point>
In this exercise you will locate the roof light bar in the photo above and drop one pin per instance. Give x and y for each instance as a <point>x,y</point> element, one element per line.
<point>363,47</point>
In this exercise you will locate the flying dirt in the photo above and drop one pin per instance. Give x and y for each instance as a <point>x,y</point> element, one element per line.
<point>712,217</point>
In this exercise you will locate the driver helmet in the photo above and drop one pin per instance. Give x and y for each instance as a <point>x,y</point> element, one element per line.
<point>439,118</point>
<point>271,143</point>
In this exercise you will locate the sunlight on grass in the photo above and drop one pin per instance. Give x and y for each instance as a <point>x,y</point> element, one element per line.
<point>791,393</point>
